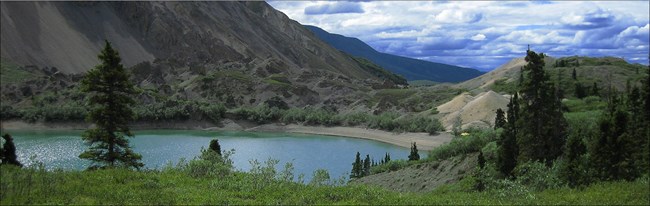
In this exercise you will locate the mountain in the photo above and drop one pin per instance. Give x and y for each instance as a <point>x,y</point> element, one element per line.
<point>411,69</point>
<point>242,53</point>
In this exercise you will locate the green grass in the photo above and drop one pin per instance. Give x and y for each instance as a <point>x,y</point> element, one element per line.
<point>172,186</point>
<point>590,103</point>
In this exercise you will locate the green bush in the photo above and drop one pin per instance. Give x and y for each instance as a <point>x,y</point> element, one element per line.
<point>355,119</point>
<point>210,164</point>
<point>8,112</point>
<point>537,176</point>
<point>321,117</point>
<point>384,121</point>
<point>392,165</point>
<point>294,115</point>
<point>464,145</point>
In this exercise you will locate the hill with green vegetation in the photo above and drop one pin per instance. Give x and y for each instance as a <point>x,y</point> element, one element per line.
<point>545,143</point>
<point>411,69</point>
<point>603,71</point>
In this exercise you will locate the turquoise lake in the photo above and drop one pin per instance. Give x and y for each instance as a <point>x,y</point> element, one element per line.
<point>60,149</point>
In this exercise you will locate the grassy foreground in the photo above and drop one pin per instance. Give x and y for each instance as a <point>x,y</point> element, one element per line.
<point>174,186</point>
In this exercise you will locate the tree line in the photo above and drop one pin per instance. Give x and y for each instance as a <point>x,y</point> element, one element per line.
<point>535,130</point>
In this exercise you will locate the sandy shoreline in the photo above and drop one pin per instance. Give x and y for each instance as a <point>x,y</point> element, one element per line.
<point>424,141</point>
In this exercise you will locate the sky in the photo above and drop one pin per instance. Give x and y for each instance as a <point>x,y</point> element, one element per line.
<point>482,34</point>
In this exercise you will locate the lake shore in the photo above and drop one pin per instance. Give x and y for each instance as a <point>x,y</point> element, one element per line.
<point>424,141</point>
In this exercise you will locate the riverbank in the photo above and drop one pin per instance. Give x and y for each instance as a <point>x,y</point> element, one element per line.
<point>424,141</point>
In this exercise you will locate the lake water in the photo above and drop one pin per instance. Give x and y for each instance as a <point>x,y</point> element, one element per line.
<point>60,149</point>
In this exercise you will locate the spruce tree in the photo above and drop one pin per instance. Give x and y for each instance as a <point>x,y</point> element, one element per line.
<point>9,151</point>
<point>595,91</point>
<point>634,139</point>
<point>356,167</point>
<point>109,98</point>
<point>500,119</point>
<point>366,165</point>
<point>580,91</point>
<point>646,111</point>
<point>215,147</point>
<point>606,150</point>
<point>574,76</point>
<point>574,150</point>
<point>481,160</point>
<point>541,124</point>
<point>414,153</point>
<point>508,150</point>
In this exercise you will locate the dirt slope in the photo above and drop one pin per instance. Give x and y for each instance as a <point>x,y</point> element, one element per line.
<point>508,71</point>
<point>473,111</point>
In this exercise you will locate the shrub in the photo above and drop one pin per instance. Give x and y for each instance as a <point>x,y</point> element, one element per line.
<point>393,165</point>
<point>320,178</point>
<point>354,119</point>
<point>536,176</point>
<point>8,112</point>
<point>464,145</point>
<point>210,164</point>
<point>384,121</point>
<point>294,115</point>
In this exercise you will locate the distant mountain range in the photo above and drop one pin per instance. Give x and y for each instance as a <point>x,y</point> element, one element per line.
<point>411,69</point>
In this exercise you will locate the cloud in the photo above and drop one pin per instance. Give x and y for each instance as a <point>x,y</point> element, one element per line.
<point>591,20</point>
<point>334,8</point>
<point>478,37</point>
<point>458,16</point>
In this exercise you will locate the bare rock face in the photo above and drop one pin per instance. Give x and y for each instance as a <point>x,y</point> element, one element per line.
<point>239,53</point>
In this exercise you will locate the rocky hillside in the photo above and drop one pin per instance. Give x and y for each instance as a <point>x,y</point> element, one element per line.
<point>242,53</point>
<point>424,177</point>
<point>411,69</point>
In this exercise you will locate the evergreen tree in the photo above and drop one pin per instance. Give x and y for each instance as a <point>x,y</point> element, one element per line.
<point>366,166</point>
<point>606,150</point>
<point>521,76</point>
<point>646,112</point>
<point>387,158</point>
<point>635,137</point>
<point>541,124</point>
<point>500,120</point>
<point>356,167</point>
<point>595,91</point>
<point>574,76</point>
<point>9,151</point>
<point>214,146</point>
<point>414,153</point>
<point>580,91</point>
<point>109,97</point>
<point>574,150</point>
<point>508,149</point>
<point>481,160</point>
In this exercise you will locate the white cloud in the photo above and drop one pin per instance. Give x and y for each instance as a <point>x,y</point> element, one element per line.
<point>478,37</point>
<point>458,16</point>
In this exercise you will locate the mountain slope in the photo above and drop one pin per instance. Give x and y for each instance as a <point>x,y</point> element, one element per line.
<point>411,69</point>
<point>240,53</point>
<point>68,35</point>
